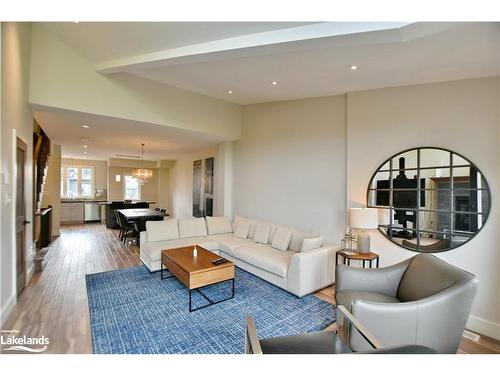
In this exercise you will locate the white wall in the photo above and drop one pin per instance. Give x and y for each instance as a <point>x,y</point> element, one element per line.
<point>289,166</point>
<point>62,78</point>
<point>16,120</point>
<point>181,183</point>
<point>461,116</point>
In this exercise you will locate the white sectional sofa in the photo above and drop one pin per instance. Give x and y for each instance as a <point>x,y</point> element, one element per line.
<point>292,259</point>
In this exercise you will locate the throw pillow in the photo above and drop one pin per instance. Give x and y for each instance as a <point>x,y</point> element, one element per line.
<point>311,243</point>
<point>242,228</point>
<point>298,237</point>
<point>195,227</point>
<point>218,225</point>
<point>162,230</point>
<point>281,238</point>
<point>262,231</point>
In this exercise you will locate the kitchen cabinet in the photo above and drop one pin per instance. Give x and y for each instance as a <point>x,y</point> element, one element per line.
<point>72,212</point>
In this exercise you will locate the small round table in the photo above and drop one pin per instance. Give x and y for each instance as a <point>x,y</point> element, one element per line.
<point>347,256</point>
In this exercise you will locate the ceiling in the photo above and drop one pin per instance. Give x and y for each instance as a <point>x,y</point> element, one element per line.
<point>465,51</point>
<point>109,136</point>
<point>101,41</point>
<point>305,59</point>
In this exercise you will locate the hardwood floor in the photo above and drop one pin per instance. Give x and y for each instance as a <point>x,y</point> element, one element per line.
<point>55,302</point>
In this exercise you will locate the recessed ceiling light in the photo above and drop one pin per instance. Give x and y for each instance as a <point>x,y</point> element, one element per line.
<point>85,126</point>
<point>85,146</point>
<point>230,92</point>
<point>85,152</point>
<point>274,83</point>
<point>353,67</point>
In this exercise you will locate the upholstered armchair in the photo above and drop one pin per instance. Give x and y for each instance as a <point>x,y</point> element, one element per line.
<point>420,301</point>
<point>324,342</point>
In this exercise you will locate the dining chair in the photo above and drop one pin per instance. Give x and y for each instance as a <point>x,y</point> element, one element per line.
<point>119,222</point>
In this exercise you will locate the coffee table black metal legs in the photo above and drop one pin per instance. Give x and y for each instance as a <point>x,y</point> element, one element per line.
<point>161,273</point>
<point>206,297</point>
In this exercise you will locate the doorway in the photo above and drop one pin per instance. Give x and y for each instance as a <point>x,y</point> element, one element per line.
<point>21,222</point>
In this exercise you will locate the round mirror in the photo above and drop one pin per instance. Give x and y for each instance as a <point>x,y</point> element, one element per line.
<point>429,199</point>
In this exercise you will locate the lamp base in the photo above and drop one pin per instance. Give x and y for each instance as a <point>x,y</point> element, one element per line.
<point>363,242</point>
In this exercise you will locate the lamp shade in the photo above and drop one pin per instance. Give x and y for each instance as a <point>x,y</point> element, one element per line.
<point>363,218</point>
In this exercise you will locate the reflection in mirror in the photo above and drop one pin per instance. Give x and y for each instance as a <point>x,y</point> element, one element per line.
<point>433,177</point>
<point>386,166</point>
<point>427,243</point>
<point>458,160</point>
<point>404,160</point>
<point>432,157</point>
<point>432,214</point>
<point>471,200</point>
<point>380,181</point>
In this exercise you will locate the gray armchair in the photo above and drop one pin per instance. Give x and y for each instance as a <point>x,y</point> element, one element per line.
<point>324,342</point>
<point>421,301</point>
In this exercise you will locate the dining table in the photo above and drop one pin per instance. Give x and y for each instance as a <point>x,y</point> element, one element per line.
<point>134,214</point>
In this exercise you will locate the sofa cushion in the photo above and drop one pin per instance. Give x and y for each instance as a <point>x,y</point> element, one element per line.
<point>242,228</point>
<point>229,244</point>
<point>192,227</point>
<point>218,225</point>
<point>265,257</point>
<point>253,225</point>
<point>262,233</point>
<point>298,237</point>
<point>162,230</point>
<point>311,243</point>
<point>251,231</point>
<point>345,297</point>
<point>281,238</point>
<point>153,249</point>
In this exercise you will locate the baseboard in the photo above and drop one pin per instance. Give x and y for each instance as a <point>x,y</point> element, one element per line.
<point>7,309</point>
<point>483,327</point>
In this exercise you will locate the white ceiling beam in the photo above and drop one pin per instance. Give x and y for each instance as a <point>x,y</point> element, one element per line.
<point>244,45</point>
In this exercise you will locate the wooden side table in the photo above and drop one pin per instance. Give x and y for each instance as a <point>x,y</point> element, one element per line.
<point>364,257</point>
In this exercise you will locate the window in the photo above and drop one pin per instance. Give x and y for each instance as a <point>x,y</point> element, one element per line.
<point>132,188</point>
<point>77,182</point>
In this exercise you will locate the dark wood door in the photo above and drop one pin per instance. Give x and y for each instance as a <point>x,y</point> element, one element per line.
<point>20,216</point>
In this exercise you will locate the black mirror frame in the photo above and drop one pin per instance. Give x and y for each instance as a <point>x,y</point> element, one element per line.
<point>485,214</point>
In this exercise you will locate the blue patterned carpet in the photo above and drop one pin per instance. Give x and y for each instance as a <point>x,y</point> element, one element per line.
<point>134,311</point>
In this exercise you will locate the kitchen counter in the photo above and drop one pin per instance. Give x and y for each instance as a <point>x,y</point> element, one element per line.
<point>83,200</point>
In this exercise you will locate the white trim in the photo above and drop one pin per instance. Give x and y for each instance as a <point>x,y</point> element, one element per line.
<point>13,187</point>
<point>7,309</point>
<point>484,327</point>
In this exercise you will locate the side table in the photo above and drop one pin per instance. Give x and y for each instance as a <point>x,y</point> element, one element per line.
<point>347,256</point>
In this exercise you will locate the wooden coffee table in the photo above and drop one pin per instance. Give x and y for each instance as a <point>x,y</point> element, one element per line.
<point>196,272</point>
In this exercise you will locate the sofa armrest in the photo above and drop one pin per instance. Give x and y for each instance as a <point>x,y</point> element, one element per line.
<point>143,237</point>
<point>311,270</point>
<point>377,280</point>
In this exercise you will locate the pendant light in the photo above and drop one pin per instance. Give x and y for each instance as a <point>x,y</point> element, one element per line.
<point>142,174</point>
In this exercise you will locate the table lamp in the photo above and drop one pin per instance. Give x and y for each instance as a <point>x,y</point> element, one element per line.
<point>363,218</point>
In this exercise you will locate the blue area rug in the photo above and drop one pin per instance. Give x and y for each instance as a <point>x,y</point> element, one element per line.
<point>134,311</point>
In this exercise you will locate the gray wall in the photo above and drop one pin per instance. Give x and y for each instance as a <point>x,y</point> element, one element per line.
<point>289,166</point>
